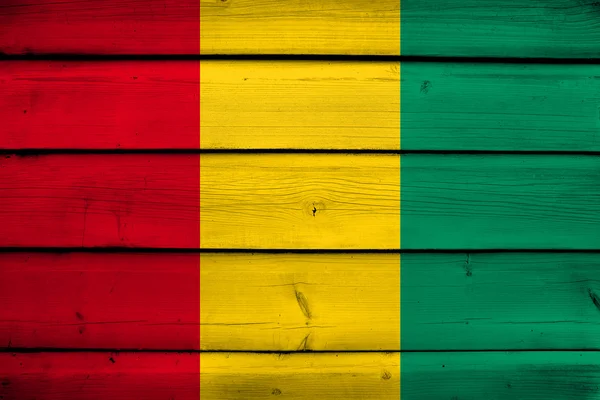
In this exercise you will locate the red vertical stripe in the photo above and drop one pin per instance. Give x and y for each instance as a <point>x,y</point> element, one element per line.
<point>199,144</point>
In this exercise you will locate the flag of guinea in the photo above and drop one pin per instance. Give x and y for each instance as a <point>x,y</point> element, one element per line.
<point>318,199</point>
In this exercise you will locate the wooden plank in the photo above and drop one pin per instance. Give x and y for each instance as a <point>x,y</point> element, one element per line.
<point>100,105</point>
<point>299,105</point>
<point>287,302</point>
<point>99,375</point>
<point>103,301</point>
<point>100,200</point>
<point>244,105</point>
<point>500,202</point>
<point>300,201</point>
<point>514,107</point>
<point>300,375</point>
<point>499,301</point>
<point>497,375</point>
<point>499,28</point>
<point>206,26</point>
<point>176,302</point>
<point>308,201</point>
<point>153,200</point>
<point>521,375</point>
<point>101,27</point>
<point>209,375</point>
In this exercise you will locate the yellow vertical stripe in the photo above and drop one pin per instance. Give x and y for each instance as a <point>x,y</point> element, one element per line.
<point>199,199</point>
<point>296,374</point>
<point>199,196</point>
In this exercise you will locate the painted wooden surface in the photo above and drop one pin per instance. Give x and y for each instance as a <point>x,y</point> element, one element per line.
<point>452,314</point>
<point>499,202</point>
<point>289,302</point>
<point>501,28</point>
<point>223,376</point>
<point>299,105</point>
<point>498,375</point>
<point>500,107</point>
<point>300,201</point>
<point>99,105</point>
<point>100,200</point>
<point>500,301</point>
<point>498,28</point>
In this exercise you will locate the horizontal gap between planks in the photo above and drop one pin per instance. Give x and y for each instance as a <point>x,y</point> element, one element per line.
<point>293,57</point>
<point>17,350</point>
<point>38,152</point>
<point>62,250</point>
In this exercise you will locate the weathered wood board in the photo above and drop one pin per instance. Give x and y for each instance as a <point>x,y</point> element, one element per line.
<point>500,375</point>
<point>300,201</point>
<point>290,302</point>
<point>470,375</point>
<point>308,105</point>
<point>498,28</point>
<point>306,199</point>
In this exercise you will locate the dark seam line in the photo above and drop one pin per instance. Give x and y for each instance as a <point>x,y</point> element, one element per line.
<point>95,250</point>
<point>41,152</point>
<point>295,57</point>
<point>17,350</point>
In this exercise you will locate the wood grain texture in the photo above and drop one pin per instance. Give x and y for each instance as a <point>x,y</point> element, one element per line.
<point>107,300</point>
<point>164,301</point>
<point>285,302</point>
<point>300,375</point>
<point>96,375</point>
<point>290,201</point>
<point>499,301</point>
<point>153,201</point>
<point>298,27</point>
<point>499,28</point>
<point>498,375</point>
<point>500,107</point>
<point>299,105</point>
<point>100,200</point>
<point>244,105</point>
<point>301,201</point>
<point>222,376</point>
<point>222,27</point>
<point>101,27</point>
<point>528,375</point>
<point>499,202</point>
<point>298,303</point>
<point>100,105</point>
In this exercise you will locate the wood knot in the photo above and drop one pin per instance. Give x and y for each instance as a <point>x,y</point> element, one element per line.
<point>425,87</point>
<point>595,299</point>
<point>313,208</point>
<point>303,304</point>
